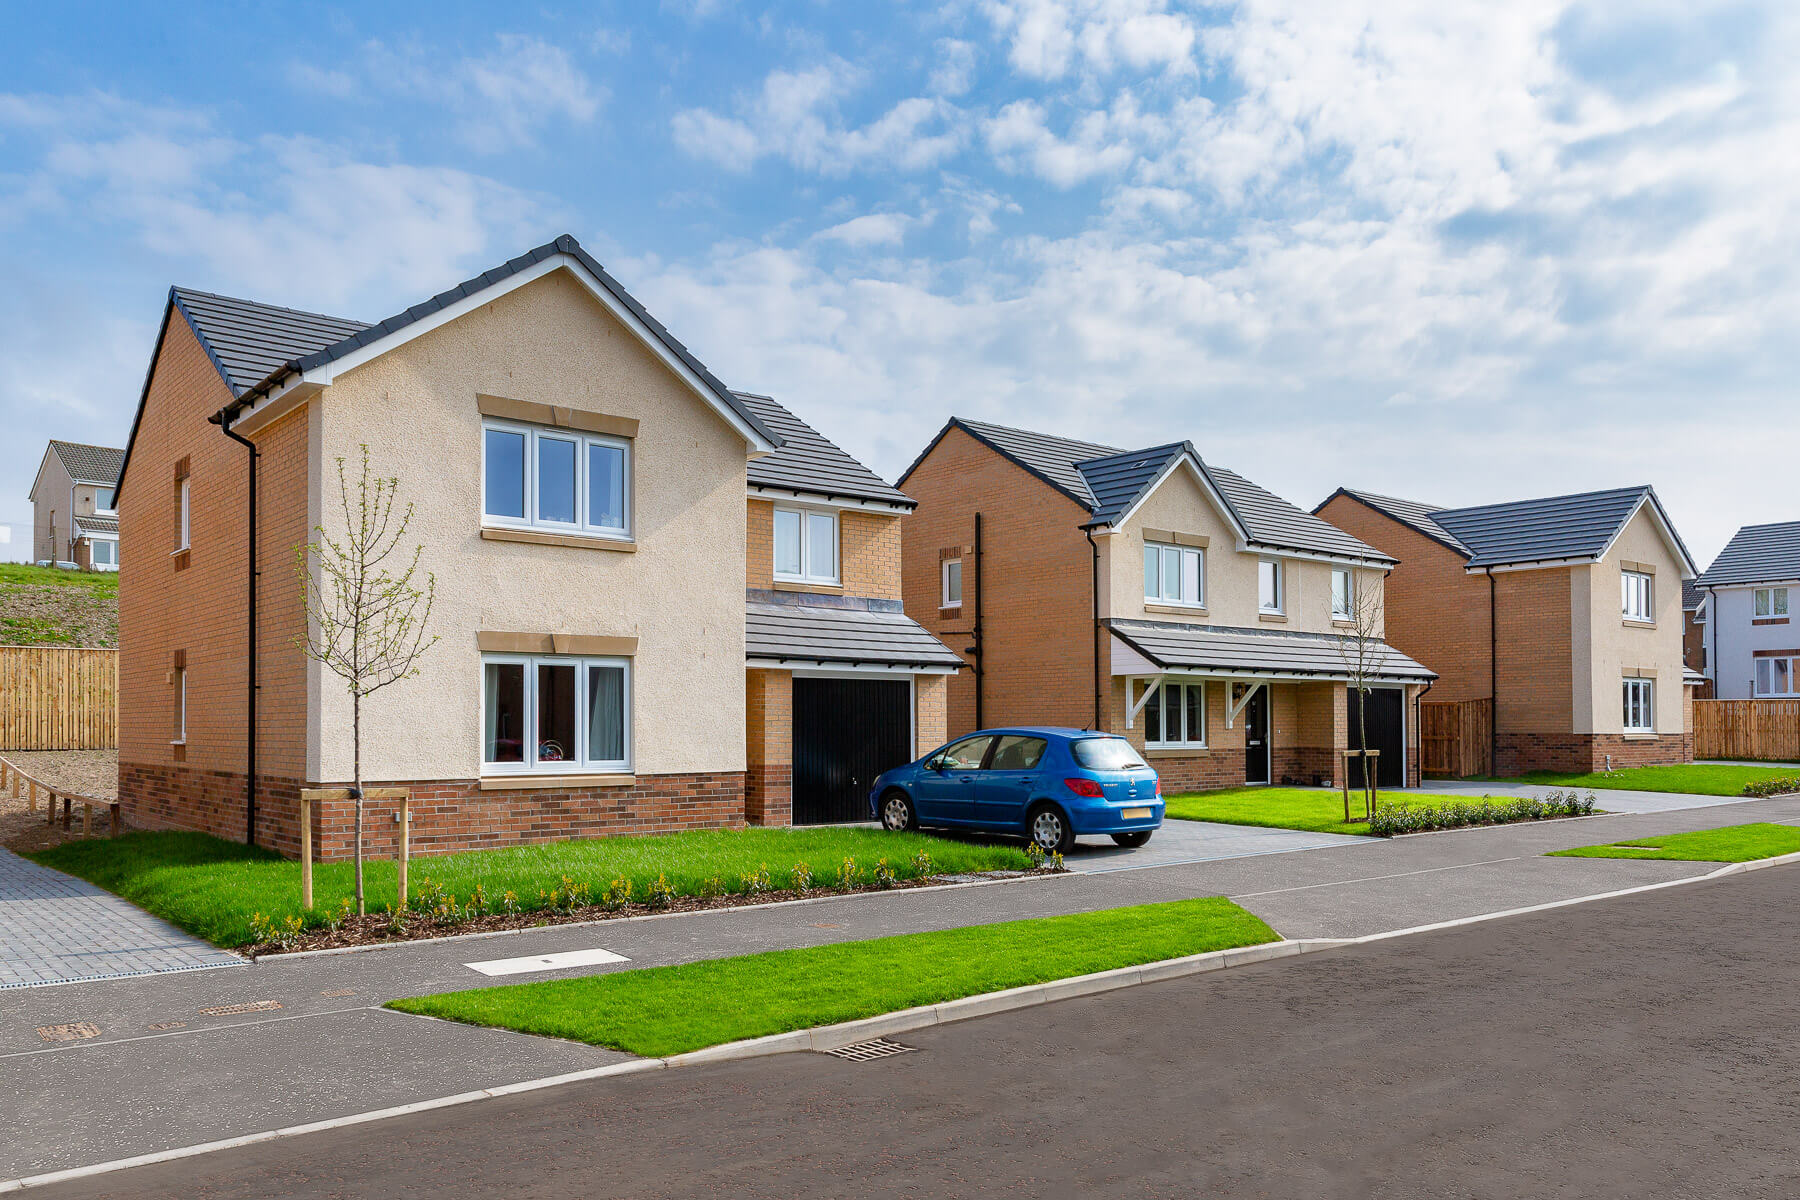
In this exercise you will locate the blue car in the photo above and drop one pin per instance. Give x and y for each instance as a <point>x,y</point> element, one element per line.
<point>1050,785</point>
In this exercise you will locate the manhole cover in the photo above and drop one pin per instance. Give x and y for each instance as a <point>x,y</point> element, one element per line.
<point>338,993</point>
<point>78,1032</point>
<point>169,1025</point>
<point>232,1010</point>
<point>864,1051</point>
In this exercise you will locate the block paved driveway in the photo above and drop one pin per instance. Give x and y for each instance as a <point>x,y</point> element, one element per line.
<point>55,928</point>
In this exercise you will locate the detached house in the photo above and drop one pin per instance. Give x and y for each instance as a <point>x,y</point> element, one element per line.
<point>1150,593</point>
<point>1748,597</point>
<point>1565,612</point>
<point>662,604</point>
<point>76,518</point>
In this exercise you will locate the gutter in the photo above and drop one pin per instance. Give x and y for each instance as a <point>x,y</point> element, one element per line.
<point>223,419</point>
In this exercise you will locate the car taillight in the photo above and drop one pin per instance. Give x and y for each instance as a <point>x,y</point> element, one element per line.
<point>1083,787</point>
<point>1159,786</point>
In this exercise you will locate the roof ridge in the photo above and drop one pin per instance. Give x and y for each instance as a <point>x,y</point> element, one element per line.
<point>178,289</point>
<point>1056,437</point>
<point>1368,495</point>
<point>1639,488</point>
<point>1167,447</point>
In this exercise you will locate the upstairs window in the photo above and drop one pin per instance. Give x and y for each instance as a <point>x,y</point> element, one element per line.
<point>105,501</point>
<point>1640,706</point>
<point>1269,590</point>
<point>555,479</point>
<point>184,512</point>
<point>952,597</point>
<point>1635,596</point>
<point>1174,575</point>
<point>1343,594</point>
<point>806,546</point>
<point>1771,602</point>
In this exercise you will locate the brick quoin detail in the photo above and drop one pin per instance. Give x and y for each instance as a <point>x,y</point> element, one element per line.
<point>448,815</point>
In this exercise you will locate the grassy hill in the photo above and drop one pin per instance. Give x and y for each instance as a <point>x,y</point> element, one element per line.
<point>44,606</point>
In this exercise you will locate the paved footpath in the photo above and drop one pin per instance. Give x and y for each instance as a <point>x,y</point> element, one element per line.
<point>1630,1048</point>
<point>55,928</point>
<point>163,1073</point>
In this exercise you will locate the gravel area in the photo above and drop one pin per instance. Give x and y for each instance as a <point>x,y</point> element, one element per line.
<point>84,772</point>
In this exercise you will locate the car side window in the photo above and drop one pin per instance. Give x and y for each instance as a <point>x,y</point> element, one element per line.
<point>1015,752</point>
<point>967,754</point>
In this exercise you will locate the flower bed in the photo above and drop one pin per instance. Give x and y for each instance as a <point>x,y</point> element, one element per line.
<point>1773,787</point>
<point>1392,819</point>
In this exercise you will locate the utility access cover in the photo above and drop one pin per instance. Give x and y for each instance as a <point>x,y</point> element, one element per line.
<point>864,1051</point>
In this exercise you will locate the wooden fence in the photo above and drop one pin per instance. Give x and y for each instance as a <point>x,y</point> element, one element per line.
<point>1456,738</point>
<point>58,698</point>
<point>1747,729</point>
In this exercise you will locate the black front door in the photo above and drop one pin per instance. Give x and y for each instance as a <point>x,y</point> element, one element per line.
<point>1256,737</point>
<point>846,732</point>
<point>1383,713</point>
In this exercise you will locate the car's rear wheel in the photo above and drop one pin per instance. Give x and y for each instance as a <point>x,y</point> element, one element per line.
<point>1050,829</point>
<point>1132,840</point>
<point>897,813</point>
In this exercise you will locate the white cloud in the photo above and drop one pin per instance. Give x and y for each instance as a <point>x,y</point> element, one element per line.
<point>954,71</point>
<point>874,229</point>
<point>1098,142</point>
<point>1050,38</point>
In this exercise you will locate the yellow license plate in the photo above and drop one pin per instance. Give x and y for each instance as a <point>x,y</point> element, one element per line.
<point>1135,814</point>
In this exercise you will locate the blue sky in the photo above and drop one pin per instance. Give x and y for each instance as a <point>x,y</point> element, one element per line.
<point>1458,252</point>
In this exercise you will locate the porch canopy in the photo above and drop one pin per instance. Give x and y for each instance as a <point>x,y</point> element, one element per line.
<point>787,635</point>
<point>1270,655</point>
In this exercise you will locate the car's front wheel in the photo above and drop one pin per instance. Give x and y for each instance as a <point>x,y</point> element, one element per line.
<point>1050,829</point>
<point>897,813</point>
<point>1132,840</point>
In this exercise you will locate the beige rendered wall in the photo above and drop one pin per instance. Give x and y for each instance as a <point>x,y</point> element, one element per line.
<point>1180,505</point>
<point>1619,646</point>
<point>681,594</point>
<point>50,508</point>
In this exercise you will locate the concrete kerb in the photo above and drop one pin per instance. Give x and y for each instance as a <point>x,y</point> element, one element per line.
<point>829,1037</point>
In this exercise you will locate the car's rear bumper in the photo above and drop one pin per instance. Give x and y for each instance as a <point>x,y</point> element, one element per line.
<point>1112,818</point>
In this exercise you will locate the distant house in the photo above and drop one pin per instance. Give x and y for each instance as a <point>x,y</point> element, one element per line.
<point>76,513</point>
<point>1693,628</point>
<point>1155,595</point>
<point>1565,611</point>
<point>1751,591</point>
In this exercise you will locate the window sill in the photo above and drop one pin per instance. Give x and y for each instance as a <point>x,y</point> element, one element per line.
<point>534,537</point>
<point>1173,751</point>
<point>1277,618</point>
<point>177,741</point>
<point>951,610</point>
<point>1185,610</point>
<point>1640,735</point>
<point>807,585</point>
<point>1636,623</point>
<point>1343,623</point>
<point>1768,620</point>
<point>522,782</point>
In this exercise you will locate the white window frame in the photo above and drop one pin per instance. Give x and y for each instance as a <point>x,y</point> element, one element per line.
<point>180,738</point>
<point>1186,741</point>
<point>807,572</point>
<point>1280,586</point>
<point>1758,608</point>
<point>108,512</point>
<point>1637,596</point>
<point>583,524</point>
<point>1644,705</point>
<point>1183,555</point>
<point>579,763</point>
<point>1347,613</point>
<point>945,599</point>
<point>103,541</point>
<point>187,513</point>
<point>1763,684</point>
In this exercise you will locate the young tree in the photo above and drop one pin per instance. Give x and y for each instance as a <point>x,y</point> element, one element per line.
<point>366,622</point>
<point>1362,650</point>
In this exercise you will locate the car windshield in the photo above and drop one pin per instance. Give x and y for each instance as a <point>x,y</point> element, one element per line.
<point>1107,754</point>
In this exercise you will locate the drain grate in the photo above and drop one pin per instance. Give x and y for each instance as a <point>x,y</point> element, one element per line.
<point>338,993</point>
<point>169,1025</point>
<point>864,1051</point>
<point>232,1010</point>
<point>80,1031</point>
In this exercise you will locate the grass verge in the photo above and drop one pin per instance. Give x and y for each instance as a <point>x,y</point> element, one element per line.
<point>660,1011</point>
<point>212,888</point>
<point>1734,843</point>
<point>1699,779</point>
<point>1281,808</point>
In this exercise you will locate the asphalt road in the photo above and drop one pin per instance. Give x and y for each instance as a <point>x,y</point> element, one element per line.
<point>1642,1046</point>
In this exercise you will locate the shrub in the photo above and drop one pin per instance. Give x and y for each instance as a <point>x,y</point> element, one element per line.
<point>758,881</point>
<point>283,935</point>
<point>884,874</point>
<point>849,875</point>
<point>478,901</point>
<point>1392,819</point>
<point>802,877</point>
<point>1035,853</point>
<point>509,902</point>
<point>660,892</point>
<point>427,896</point>
<point>616,895</point>
<point>711,888</point>
<point>921,865</point>
<point>1773,787</point>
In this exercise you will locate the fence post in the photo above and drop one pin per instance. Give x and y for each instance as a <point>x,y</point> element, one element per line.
<point>405,842</point>
<point>306,888</point>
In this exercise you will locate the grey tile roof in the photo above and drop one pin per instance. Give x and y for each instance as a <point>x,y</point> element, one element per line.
<point>807,461</point>
<point>1554,527</point>
<point>89,464</point>
<point>1757,553</point>
<point>1259,651</point>
<point>248,341</point>
<point>805,633</point>
<point>1108,481</point>
<point>1420,516</point>
<point>1692,592</point>
<point>108,525</point>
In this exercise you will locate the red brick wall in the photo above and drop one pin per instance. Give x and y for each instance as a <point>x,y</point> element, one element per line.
<point>769,750</point>
<point>1536,687</point>
<point>1038,607</point>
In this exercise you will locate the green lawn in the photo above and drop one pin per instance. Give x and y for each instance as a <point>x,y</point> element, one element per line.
<point>211,887</point>
<point>670,1010</point>
<point>1701,779</point>
<point>1734,843</point>
<point>1282,808</point>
